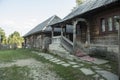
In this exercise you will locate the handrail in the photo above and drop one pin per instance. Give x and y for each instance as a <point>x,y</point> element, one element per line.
<point>67,40</point>
<point>56,39</point>
<point>67,44</point>
<point>56,36</point>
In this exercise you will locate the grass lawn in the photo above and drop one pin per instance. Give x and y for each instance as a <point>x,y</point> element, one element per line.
<point>14,73</point>
<point>9,55</point>
<point>21,73</point>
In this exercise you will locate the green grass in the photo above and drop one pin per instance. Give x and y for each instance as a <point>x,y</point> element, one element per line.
<point>9,55</point>
<point>14,73</point>
<point>75,74</point>
<point>69,73</point>
<point>114,67</point>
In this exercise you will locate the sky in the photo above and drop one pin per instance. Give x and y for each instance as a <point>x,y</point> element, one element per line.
<point>23,15</point>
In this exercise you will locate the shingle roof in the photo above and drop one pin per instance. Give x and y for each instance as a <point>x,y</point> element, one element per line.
<point>42,26</point>
<point>88,6</point>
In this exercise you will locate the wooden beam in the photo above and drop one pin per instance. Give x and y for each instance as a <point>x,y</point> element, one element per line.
<point>74,33</point>
<point>81,19</point>
<point>118,20</point>
<point>119,45</point>
<point>62,30</point>
<point>52,32</point>
<point>65,31</point>
<point>88,33</point>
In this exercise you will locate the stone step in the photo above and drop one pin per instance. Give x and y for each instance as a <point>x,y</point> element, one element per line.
<point>87,71</point>
<point>108,75</point>
<point>57,47</point>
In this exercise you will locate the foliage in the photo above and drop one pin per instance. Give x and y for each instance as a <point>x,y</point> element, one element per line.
<point>78,2</point>
<point>3,38</point>
<point>15,38</point>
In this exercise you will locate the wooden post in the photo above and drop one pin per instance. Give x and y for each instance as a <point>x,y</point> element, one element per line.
<point>74,34</point>
<point>88,33</point>
<point>88,37</point>
<point>61,30</point>
<point>65,32</point>
<point>118,20</point>
<point>52,32</point>
<point>119,47</point>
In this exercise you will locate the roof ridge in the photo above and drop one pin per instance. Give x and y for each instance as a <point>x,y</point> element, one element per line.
<point>86,6</point>
<point>49,22</point>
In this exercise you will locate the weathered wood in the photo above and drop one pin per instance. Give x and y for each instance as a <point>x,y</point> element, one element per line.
<point>119,46</point>
<point>81,19</point>
<point>62,30</point>
<point>52,31</point>
<point>118,20</point>
<point>88,33</point>
<point>74,33</point>
<point>65,31</point>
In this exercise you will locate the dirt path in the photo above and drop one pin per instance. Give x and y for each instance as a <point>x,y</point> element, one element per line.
<point>38,70</point>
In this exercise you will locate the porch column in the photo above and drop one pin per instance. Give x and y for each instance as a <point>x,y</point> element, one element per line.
<point>74,33</point>
<point>118,20</point>
<point>88,33</point>
<point>52,32</point>
<point>61,30</point>
<point>65,31</point>
<point>119,46</point>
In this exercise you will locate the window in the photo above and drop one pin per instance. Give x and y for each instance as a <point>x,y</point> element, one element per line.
<point>103,24</point>
<point>116,24</point>
<point>110,24</point>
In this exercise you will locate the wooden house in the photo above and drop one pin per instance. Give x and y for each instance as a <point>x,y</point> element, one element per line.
<point>95,29</point>
<point>36,37</point>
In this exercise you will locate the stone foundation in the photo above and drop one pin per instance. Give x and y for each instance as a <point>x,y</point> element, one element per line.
<point>109,52</point>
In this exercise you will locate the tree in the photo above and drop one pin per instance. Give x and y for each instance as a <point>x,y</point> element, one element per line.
<point>15,39</point>
<point>78,2</point>
<point>3,38</point>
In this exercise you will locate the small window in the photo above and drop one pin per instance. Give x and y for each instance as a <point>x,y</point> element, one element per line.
<point>103,24</point>
<point>110,24</point>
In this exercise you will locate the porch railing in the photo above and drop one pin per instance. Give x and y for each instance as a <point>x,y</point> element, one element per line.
<point>56,39</point>
<point>67,44</point>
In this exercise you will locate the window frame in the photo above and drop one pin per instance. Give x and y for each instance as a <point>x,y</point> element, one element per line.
<point>110,24</point>
<point>101,25</point>
<point>115,25</point>
<point>107,31</point>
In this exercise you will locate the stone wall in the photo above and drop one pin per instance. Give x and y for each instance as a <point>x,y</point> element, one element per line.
<point>107,51</point>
